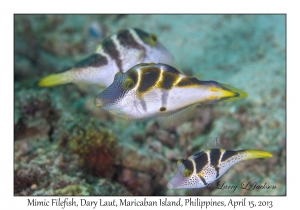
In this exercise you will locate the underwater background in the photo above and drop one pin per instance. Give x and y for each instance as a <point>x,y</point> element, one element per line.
<point>64,145</point>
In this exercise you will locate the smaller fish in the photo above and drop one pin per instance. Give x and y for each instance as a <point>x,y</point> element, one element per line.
<point>205,167</point>
<point>117,53</point>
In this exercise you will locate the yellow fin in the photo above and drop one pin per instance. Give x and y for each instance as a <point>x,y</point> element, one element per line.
<point>230,94</point>
<point>53,80</point>
<point>257,154</point>
<point>177,118</point>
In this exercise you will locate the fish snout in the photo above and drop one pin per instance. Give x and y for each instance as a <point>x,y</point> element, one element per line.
<point>109,98</point>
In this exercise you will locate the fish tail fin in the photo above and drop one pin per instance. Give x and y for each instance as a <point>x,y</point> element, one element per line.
<point>230,94</point>
<point>55,79</point>
<point>252,154</point>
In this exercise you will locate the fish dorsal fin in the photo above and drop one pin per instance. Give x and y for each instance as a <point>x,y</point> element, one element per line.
<point>199,76</point>
<point>167,57</point>
<point>177,118</point>
<point>213,143</point>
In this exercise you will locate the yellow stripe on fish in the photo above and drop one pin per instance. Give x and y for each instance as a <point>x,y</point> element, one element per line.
<point>159,90</point>
<point>117,53</point>
<point>203,168</point>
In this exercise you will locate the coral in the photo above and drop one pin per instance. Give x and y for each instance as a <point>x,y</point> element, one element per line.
<point>36,114</point>
<point>95,145</point>
<point>98,187</point>
<point>165,138</point>
<point>76,189</point>
<point>141,171</point>
<point>108,187</point>
<point>25,178</point>
<point>138,183</point>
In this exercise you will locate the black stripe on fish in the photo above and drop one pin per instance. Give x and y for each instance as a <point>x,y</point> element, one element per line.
<point>127,40</point>
<point>95,60</point>
<point>198,153</point>
<point>210,83</point>
<point>201,161</point>
<point>215,155</point>
<point>168,80</point>
<point>203,180</point>
<point>188,81</point>
<point>170,69</point>
<point>110,48</point>
<point>228,154</point>
<point>218,171</point>
<point>188,164</point>
<point>149,77</point>
<point>144,105</point>
<point>213,84</point>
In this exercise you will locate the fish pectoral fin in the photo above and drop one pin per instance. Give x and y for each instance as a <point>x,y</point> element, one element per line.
<point>177,118</point>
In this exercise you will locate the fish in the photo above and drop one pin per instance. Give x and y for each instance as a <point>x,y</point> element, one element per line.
<point>161,91</point>
<point>203,168</point>
<point>117,53</point>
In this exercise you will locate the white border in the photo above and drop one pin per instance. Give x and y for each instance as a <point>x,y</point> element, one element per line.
<point>8,201</point>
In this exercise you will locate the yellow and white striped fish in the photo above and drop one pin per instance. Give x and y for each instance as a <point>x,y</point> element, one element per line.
<point>203,168</point>
<point>159,90</point>
<point>117,53</point>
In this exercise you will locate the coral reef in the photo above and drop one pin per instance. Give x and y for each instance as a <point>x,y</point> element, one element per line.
<point>141,171</point>
<point>73,190</point>
<point>35,114</point>
<point>95,146</point>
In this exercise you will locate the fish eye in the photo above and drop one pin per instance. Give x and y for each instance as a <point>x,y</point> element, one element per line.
<point>150,39</point>
<point>187,173</point>
<point>128,84</point>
